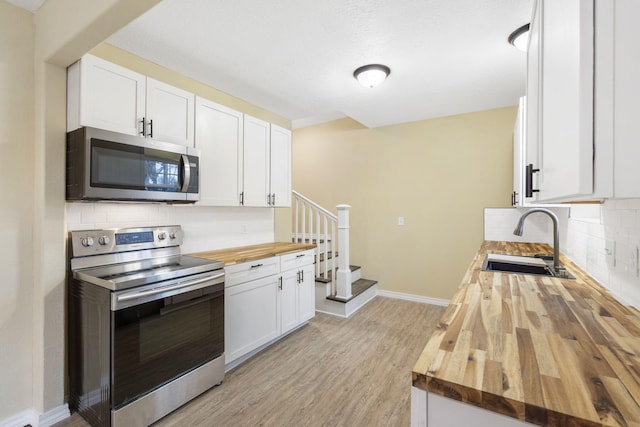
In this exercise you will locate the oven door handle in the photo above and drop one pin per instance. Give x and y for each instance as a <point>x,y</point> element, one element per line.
<point>177,286</point>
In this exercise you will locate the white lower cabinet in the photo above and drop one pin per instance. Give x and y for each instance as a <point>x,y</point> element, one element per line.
<point>289,300</point>
<point>251,316</point>
<point>265,299</point>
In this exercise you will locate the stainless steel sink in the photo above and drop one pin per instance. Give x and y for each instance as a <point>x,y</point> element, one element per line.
<point>523,265</point>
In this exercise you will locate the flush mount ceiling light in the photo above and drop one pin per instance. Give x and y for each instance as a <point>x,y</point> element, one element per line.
<point>371,75</point>
<point>520,38</point>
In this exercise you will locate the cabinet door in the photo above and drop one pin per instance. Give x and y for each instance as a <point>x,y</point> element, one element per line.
<point>626,95</point>
<point>252,316</point>
<point>106,96</point>
<point>289,300</point>
<point>532,108</point>
<point>306,295</point>
<point>566,97</point>
<point>280,166</point>
<point>519,147</point>
<point>256,161</point>
<point>219,137</point>
<point>172,112</point>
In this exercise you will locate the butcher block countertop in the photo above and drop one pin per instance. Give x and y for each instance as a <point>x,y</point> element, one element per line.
<point>251,253</point>
<point>557,352</point>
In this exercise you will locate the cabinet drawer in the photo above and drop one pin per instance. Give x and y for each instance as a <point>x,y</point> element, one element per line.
<point>239,273</point>
<point>296,259</point>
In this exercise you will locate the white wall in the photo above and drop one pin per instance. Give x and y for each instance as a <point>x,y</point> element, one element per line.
<point>205,228</point>
<point>604,240</point>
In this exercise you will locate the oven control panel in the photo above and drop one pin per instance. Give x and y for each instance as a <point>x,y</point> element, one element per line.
<point>111,240</point>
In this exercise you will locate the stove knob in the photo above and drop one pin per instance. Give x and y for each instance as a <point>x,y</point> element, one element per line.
<point>172,235</point>
<point>162,235</point>
<point>87,241</point>
<point>104,240</point>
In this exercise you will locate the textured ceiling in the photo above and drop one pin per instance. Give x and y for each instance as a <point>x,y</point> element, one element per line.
<point>296,57</point>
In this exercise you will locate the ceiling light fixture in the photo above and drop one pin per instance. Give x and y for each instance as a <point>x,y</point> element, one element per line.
<point>520,38</point>
<point>371,75</point>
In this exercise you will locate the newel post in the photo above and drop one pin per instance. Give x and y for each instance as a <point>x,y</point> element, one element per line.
<point>343,285</point>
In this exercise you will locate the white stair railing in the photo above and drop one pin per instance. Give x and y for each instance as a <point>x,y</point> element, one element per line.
<point>314,224</point>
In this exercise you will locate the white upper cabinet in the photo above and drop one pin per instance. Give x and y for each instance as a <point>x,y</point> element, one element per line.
<point>107,96</point>
<point>560,124</point>
<point>256,162</point>
<point>170,113</point>
<point>219,137</point>
<point>245,161</point>
<point>280,167</point>
<point>582,92</point>
<point>626,95</point>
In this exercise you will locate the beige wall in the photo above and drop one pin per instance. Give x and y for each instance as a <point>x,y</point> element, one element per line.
<point>34,51</point>
<point>142,66</point>
<point>438,174</point>
<point>16,208</point>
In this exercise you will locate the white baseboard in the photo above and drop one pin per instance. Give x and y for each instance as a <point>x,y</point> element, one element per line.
<point>22,419</point>
<point>31,417</point>
<point>53,416</point>
<point>414,298</point>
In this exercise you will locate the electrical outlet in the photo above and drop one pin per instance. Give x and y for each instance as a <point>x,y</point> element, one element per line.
<point>610,250</point>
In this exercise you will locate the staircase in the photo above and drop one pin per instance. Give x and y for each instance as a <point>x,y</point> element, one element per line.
<point>340,289</point>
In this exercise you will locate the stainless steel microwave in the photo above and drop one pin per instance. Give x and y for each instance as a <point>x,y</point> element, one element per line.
<point>104,165</point>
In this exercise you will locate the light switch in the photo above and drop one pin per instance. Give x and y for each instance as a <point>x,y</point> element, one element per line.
<point>400,220</point>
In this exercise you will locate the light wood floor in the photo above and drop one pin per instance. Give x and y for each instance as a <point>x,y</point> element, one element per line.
<point>332,372</point>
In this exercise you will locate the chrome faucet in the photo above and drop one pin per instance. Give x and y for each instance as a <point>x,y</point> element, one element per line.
<point>556,235</point>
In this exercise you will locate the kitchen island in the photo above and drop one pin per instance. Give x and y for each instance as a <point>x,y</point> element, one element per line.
<point>542,350</point>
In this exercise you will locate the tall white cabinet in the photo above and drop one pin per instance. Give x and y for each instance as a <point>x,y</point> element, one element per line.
<point>257,162</point>
<point>280,166</point>
<point>219,137</point>
<point>107,96</point>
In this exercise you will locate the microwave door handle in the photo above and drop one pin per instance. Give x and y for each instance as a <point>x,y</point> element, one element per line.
<point>186,173</point>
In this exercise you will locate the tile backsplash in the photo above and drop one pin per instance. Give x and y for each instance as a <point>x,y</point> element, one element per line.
<point>204,227</point>
<point>604,240</point>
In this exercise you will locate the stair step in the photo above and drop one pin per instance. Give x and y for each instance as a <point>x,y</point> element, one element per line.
<point>322,279</point>
<point>357,287</point>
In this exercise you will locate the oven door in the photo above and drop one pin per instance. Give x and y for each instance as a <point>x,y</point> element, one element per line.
<point>162,332</point>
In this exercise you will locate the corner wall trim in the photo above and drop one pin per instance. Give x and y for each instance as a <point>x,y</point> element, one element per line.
<point>414,298</point>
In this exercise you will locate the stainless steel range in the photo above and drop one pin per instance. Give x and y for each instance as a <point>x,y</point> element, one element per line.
<point>146,325</point>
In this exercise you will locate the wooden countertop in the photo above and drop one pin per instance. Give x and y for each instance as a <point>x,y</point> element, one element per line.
<point>251,253</point>
<point>557,352</point>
